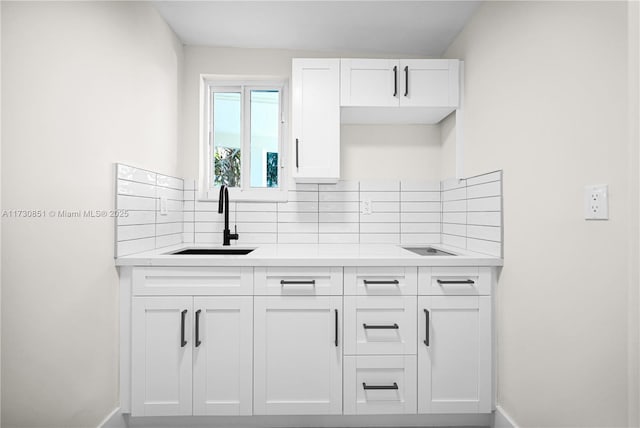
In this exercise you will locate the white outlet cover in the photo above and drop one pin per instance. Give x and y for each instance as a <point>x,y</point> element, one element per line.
<point>163,206</point>
<point>596,202</point>
<point>366,207</point>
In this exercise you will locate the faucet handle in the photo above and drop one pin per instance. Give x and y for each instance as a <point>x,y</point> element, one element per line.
<point>234,235</point>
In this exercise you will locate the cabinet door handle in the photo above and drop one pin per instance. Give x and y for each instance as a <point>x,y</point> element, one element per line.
<point>336,324</point>
<point>406,80</point>
<point>310,282</point>
<point>395,80</point>
<point>198,342</point>
<point>183,317</point>
<point>463,281</point>
<point>297,144</point>
<point>389,282</point>
<point>381,327</point>
<point>426,327</point>
<point>365,386</point>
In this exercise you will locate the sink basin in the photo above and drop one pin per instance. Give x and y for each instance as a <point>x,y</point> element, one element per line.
<point>215,251</point>
<point>428,251</point>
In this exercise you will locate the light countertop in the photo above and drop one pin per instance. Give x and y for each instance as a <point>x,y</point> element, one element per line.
<point>310,255</point>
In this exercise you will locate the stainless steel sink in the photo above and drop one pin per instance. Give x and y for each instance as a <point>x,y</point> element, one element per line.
<point>215,251</point>
<point>428,251</point>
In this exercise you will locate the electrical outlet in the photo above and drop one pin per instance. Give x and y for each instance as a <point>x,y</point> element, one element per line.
<point>163,206</point>
<point>596,202</point>
<point>366,207</point>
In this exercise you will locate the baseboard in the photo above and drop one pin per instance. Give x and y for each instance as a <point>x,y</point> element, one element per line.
<point>115,419</point>
<point>502,420</point>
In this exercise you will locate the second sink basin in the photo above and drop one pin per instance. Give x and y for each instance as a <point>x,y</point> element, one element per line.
<point>215,251</point>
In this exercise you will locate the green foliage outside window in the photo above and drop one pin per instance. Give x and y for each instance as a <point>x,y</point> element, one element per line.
<point>226,165</point>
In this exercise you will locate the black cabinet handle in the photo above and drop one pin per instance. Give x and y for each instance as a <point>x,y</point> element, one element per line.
<point>381,327</point>
<point>183,316</point>
<point>395,80</point>
<point>365,386</point>
<point>336,332</point>
<point>406,80</point>
<point>391,282</point>
<point>310,282</point>
<point>464,281</point>
<point>297,152</point>
<point>426,315</point>
<point>198,342</point>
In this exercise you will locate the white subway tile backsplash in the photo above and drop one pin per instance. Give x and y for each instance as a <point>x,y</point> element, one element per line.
<point>420,217</point>
<point>189,216</point>
<point>420,227</point>
<point>170,217</point>
<point>297,207</point>
<point>379,186</point>
<point>353,207</point>
<point>168,181</point>
<point>485,247</point>
<point>454,194</point>
<point>256,206</point>
<point>256,217</point>
<point>420,196</point>
<point>489,233</point>
<point>452,183</point>
<point>385,207</point>
<point>189,206</point>
<point>168,228</point>
<point>484,178</point>
<point>137,218</point>
<point>338,217</point>
<point>295,217</point>
<point>380,218</point>
<point>419,186</point>
<point>254,227</point>
<point>484,218</point>
<point>419,238</point>
<point>131,173</point>
<point>454,229</point>
<point>297,238</point>
<point>338,228</point>
<point>484,190</point>
<point>124,248</point>
<point>454,240</point>
<point>169,193</point>
<point>187,237</point>
<point>304,187</point>
<point>135,203</point>
<point>455,217</point>
<point>454,206</point>
<point>133,188</point>
<point>297,228</point>
<point>126,233</point>
<point>485,204</point>
<point>380,228</point>
<point>380,196</point>
<point>208,227</point>
<point>380,238</point>
<point>302,196</point>
<point>433,207</point>
<point>209,216</point>
<point>254,238</point>
<point>340,186</point>
<point>338,238</point>
<point>338,196</point>
<point>167,240</point>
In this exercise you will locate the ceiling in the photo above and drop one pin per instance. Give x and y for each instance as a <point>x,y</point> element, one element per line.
<point>417,28</point>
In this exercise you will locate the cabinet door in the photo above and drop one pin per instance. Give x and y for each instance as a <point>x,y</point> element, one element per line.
<point>429,83</point>
<point>369,82</point>
<point>161,359</point>
<point>454,354</point>
<point>298,355</point>
<point>222,357</point>
<point>316,120</point>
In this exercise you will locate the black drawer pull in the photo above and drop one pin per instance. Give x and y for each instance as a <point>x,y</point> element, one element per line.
<point>297,144</point>
<point>311,282</point>
<point>183,316</point>
<point>395,80</point>
<point>336,332</point>
<point>381,327</point>
<point>406,81</point>
<point>426,336</point>
<point>388,282</point>
<point>198,341</point>
<point>365,386</point>
<point>463,281</point>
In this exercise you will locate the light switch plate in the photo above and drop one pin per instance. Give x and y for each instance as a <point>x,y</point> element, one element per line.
<point>596,202</point>
<point>163,206</point>
<point>366,207</point>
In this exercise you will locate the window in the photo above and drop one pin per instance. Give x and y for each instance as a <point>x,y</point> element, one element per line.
<point>243,137</point>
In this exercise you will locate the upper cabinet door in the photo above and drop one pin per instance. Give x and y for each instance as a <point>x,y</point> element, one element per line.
<point>429,83</point>
<point>161,358</point>
<point>316,120</point>
<point>369,82</point>
<point>222,363</point>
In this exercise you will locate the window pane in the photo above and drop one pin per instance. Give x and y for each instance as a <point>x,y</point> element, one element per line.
<point>227,141</point>
<point>265,138</point>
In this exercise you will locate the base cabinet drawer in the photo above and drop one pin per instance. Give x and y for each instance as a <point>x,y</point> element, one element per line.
<point>372,281</point>
<point>379,385</point>
<point>196,281</point>
<point>383,325</point>
<point>461,281</point>
<point>298,281</point>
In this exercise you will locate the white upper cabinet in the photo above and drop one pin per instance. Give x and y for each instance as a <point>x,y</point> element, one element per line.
<point>316,120</point>
<point>426,90</point>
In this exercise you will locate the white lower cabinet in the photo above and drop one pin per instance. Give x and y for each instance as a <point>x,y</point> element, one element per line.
<point>454,354</point>
<point>191,355</point>
<point>379,384</point>
<point>298,355</point>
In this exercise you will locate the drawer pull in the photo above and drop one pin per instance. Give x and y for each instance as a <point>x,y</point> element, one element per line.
<point>198,341</point>
<point>183,316</point>
<point>463,281</point>
<point>311,282</point>
<point>365,386</point>
<point>391,282</point>
<point>336,332</point>
<point>426,336</point>
<point>381,327</point>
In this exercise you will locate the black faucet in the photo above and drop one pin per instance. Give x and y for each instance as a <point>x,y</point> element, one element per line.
<point>227,236</point>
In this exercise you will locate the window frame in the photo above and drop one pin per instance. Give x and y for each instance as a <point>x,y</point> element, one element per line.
<point>243,84</point>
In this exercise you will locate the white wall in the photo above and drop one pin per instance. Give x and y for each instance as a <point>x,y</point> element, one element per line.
<point>418,143</point>
<point>546,100</point>
<point>84,85</point>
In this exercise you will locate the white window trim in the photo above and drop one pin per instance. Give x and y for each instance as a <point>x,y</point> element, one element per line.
<point>208,83</point>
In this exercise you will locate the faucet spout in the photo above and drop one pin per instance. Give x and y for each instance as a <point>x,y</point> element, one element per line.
<point>223,206</point>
